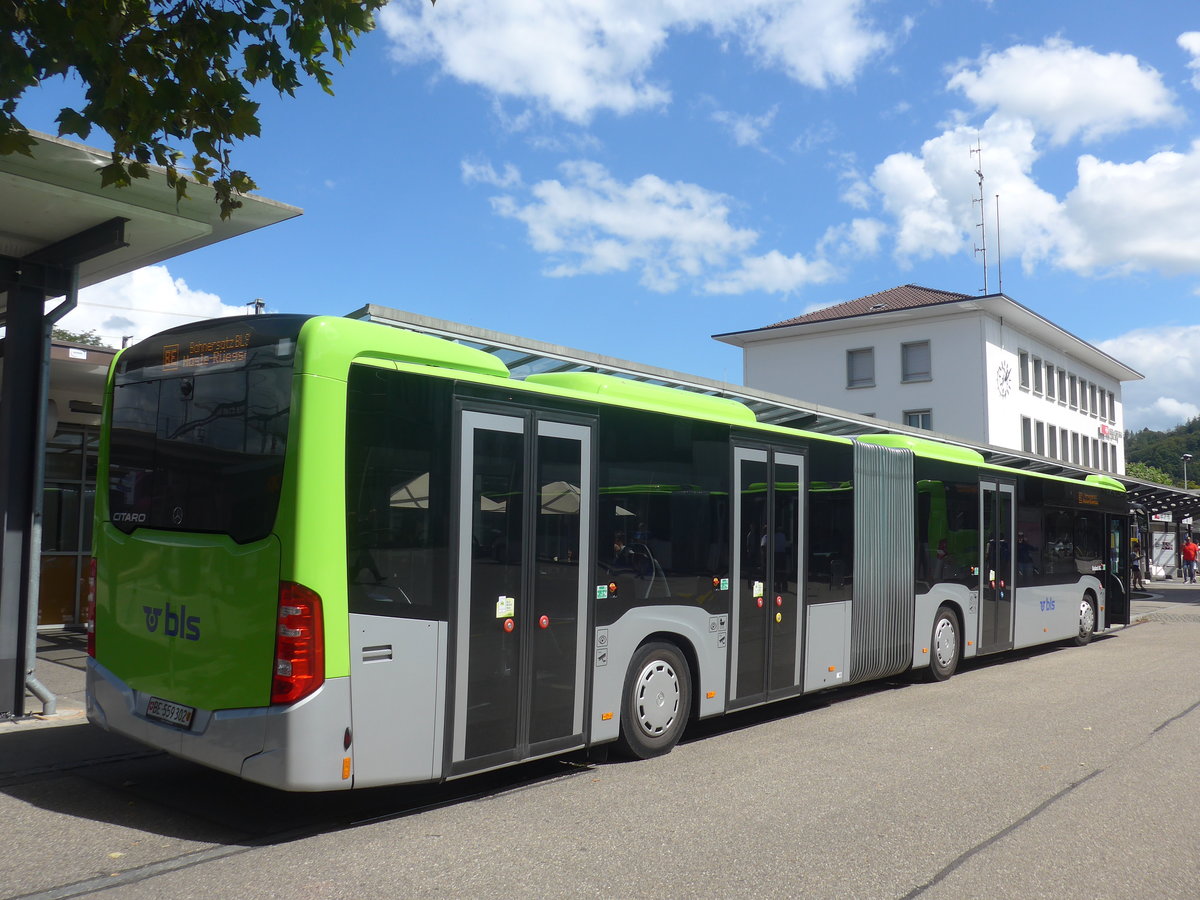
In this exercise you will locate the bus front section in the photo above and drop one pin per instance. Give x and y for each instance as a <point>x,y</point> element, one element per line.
<point>199,647</point>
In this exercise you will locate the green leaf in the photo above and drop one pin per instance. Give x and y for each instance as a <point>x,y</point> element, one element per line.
<point>115,174</point>
<point>72,122</point>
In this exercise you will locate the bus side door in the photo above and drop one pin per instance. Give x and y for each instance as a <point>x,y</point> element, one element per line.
<point>997,580</point>
<point>525,487</point>
<point>768,580</point>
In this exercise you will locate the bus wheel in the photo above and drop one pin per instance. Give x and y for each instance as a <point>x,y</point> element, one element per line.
<point>658,698</point>
<point>944,645</point>
<point>1087,621</point>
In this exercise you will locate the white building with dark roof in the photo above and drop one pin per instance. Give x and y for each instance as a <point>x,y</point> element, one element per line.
<point>983,368</point>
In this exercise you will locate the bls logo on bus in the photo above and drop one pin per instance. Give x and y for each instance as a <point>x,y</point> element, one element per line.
<point>175,624</point>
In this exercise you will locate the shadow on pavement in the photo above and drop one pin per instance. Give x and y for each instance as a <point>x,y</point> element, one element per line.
<point>86,775</point>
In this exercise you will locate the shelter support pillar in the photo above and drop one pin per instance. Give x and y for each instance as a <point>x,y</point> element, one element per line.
<point>20,394</point>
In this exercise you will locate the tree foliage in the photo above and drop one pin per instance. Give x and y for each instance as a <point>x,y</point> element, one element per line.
<point>1164,450</point>
<point>1149,473</point>
<point>159,75</point>
<point>88,338</point>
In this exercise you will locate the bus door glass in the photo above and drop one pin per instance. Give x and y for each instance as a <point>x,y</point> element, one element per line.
<point>769,543</point>
<point>996,574</point>
<point>1116,589</point>
<point>523,545</point>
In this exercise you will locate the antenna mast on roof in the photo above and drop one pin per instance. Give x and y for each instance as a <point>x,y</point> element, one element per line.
<point>978,148</point>
<point>999,273</point>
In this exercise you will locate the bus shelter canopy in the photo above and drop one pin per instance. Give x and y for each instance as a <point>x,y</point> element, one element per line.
<point>55,196</point>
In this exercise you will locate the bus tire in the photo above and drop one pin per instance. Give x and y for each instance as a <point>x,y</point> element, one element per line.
<point>1087,621</point>
<point>945,645</point>
<point>656,702</point>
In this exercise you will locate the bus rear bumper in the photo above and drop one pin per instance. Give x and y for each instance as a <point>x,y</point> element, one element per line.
<point>260,744</point>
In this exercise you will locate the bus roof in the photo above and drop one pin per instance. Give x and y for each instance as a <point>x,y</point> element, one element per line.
<point>345,340</point>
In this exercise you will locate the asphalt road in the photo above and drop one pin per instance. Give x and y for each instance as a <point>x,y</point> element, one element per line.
<point>1061,772</point>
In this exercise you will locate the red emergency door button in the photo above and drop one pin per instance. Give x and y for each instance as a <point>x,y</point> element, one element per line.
<point>760,602</point>
<point>544,621</point>
<point>509,624</point>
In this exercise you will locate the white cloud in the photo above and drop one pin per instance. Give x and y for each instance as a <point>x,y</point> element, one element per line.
<point>746,130</point>
<point>1067,91</point>
<point>1190,41</point>
<point>924,224</point>
<point>670,233</point>
<point>142,303</point>
<point>813,41</point>
<point>858,238</point>
<point>591,223</point>
<point>1169,357</point>
<point>773,273</point>
<point>577,57</point>
<point>1137,216</point>
<point>484,173</point>
<point>933,197</point>
<point>1118,218</point>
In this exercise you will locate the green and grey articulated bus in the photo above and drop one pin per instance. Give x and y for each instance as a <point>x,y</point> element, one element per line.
<point>333,555</point>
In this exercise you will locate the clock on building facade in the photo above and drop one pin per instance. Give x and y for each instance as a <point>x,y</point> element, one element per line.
<point>1004,378</point>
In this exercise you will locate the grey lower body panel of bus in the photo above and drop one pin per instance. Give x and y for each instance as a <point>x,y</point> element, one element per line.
<point>690,627</point>
<point>1051,612</point>
<point>398,667</point>
<point>275,746</point>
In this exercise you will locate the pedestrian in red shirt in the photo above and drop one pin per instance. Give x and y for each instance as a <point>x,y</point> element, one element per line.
<point>1188,552</point>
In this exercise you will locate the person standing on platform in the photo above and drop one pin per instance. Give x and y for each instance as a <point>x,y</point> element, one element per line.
<point>1188,552</point>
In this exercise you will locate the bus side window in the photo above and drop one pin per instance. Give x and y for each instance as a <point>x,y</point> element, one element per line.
<point>396,495</point>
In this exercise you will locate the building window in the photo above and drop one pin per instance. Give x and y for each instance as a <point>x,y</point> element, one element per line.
<point>1103,405</point>
<point>1112,408</point>
<point>1104,451</point>
<point>1083,396</point>
<point>915,362</point>
<point>1092,399</point>
<point>1037,375</point>
<point>1049,381</point>
<point>1039,438</point>
<point>1024,367</point>
<point>1075,447</point>
<point>1096,452</point>
<point>1026,434</point>
<point>1052,441</point>
<point>1083,455</point>
<point>860,368</point>
<point>1074,392</point>
<point>919,418</point>
<point>1062,385</point>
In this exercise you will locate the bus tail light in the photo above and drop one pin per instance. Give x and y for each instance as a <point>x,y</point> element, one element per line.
<point>91,608</point>
<point>299,644</point>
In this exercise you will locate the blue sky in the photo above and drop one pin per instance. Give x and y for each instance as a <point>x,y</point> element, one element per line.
<point>630,178</point>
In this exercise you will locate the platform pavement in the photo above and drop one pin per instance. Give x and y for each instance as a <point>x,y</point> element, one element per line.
<point>62,657</point>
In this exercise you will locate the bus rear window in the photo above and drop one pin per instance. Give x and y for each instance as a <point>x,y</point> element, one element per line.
<point>197,441</point>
